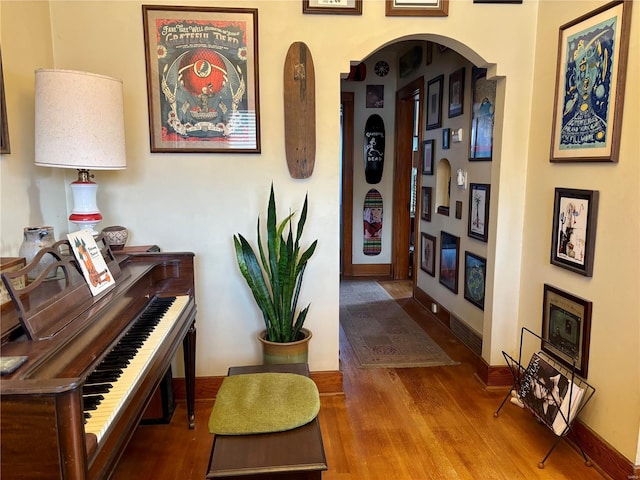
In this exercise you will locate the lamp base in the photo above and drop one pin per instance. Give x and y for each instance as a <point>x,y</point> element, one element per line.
<point>85,214</point>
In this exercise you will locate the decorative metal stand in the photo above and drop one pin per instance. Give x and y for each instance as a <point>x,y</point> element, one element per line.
<point>540,398</point>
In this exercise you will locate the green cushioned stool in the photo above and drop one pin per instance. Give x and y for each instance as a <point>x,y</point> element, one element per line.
<point>265,425</point>
<point>267,402</point>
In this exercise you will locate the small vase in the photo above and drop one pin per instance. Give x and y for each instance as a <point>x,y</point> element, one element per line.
<point>35,239</point>
<point>290,352</point>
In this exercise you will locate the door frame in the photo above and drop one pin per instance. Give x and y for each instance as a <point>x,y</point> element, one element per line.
<point>403,161</point>
<point>347,100</point>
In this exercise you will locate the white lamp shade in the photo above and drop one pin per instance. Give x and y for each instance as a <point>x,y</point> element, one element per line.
<point>79,120</point>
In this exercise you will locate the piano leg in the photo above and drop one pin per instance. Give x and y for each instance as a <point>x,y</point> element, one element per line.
<point>189,348</point>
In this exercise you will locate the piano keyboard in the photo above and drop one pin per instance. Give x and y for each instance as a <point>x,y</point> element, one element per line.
<point>108,387</point>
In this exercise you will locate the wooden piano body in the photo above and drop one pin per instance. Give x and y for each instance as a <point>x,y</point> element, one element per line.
<point>65,332</point>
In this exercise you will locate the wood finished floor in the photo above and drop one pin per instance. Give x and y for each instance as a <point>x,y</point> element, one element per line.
<point>411,423</point>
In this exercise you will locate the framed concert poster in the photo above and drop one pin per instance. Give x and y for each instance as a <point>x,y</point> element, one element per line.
<point>4,129</point>
<point>202,79</point>
<point>566,328</point>
<point>417,8</point>
<point>483,101</point>
<point>428,256</point>
<point>449,260</point>
<point>590,83</point>
<point>344,7</point>
<point>434,102</point>
<point>475,274</point>
<point>573,238</point>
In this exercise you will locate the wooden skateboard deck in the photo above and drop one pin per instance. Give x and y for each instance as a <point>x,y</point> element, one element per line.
<point>372,216</point>
<point>299,111</point>
<point>374,148</point>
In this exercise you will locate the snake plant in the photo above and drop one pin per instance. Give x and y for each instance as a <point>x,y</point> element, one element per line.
<point>276,277</point>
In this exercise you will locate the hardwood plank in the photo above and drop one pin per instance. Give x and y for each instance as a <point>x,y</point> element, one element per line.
<point>412,423</point>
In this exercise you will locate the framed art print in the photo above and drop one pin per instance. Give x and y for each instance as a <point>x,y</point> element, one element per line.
<point>4,129</point>
<point>483,101</point>
<point>475,274</point>
<point>428,153</point>
<point>340,7</point>
<point>202,79</point>
<point>434,103</point>
<point>456,93</point>
<point>573,237</point>
<point>417,8</point>
<point>478,224</point>
<point>428,254</point>
<point>446,135</point>
<point>566,328</point>
<point>590,83</point>
<point>425,204</point>
<point>449,259</point>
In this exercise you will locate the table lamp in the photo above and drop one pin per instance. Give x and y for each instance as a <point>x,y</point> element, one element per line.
<point>79,123</point>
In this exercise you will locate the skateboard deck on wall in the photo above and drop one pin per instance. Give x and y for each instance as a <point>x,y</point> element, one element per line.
<point>372,216</point>
<point>374,148</point>
<point>299,111</point>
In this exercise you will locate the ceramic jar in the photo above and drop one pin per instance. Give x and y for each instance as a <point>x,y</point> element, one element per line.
<point>35,239</point>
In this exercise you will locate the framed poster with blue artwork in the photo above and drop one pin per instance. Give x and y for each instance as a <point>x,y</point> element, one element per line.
<point>590,82</point>
<point>475,273</point>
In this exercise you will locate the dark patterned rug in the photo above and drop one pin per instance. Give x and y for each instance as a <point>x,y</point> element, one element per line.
<point>381,333</point>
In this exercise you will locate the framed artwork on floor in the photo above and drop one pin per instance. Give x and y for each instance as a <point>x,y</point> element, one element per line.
<point>478,223</point>
<point>340,7</point>
<point>475,274</point>
<point>590,83</point>
<point>202,79</point>
<point>428,253</point>
<point>566,328</point>
<point>449,260</point>
<point>483,101</point>
<point>434,102</point>
<point>573,237</point>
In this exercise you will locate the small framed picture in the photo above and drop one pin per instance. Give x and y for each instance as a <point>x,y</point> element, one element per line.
<point>446,135</point>
<point>425,204</point>
<point>434,103</point>
<point>590,83</point>
<point>456,93</point>
<point>449,260</point>
<point>573,237</point>
<point>375,96</point>
<point>475,273</point>
<point>4,129</point>
<point>428,254</point>
<point>333,7</point>
<point>458,209</point>
<point>413,8</point>
<point>478,224</point>
<point>428,153</point>
<point>566,328</point>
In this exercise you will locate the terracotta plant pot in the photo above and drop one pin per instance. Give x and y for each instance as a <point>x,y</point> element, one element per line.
<point>291,352</point>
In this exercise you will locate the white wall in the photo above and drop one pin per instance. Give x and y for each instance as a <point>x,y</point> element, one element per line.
<point>197,202</point>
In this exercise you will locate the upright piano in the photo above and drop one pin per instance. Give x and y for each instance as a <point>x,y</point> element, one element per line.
<point>92,363</point>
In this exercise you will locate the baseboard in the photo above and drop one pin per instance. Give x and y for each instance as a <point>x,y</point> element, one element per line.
<point>371,270</point>
<point>328,383</point>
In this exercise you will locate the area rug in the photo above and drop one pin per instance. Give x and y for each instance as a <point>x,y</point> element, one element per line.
<point>381,333</point>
